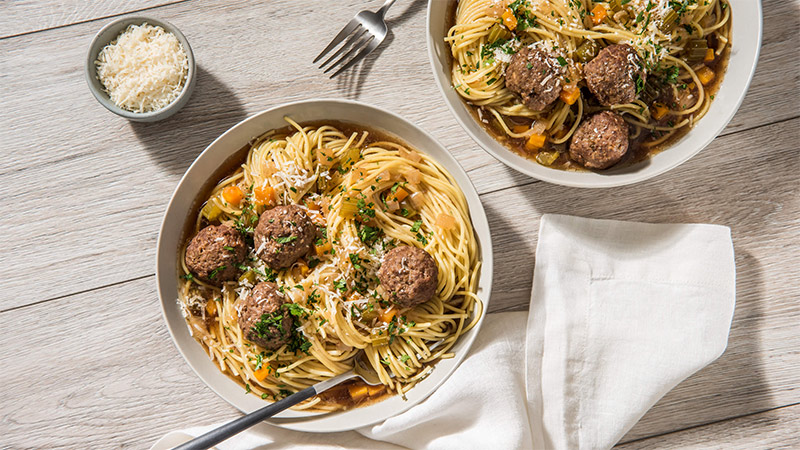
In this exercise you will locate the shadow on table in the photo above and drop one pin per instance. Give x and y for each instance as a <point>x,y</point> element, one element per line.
<point>351,81</point>
<point>175,142</point>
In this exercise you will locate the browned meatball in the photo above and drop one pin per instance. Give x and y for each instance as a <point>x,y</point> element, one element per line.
<point>409,276</point>
<point>614,73</point>
<point>534,75</point>
<point>215,253</point>
<point>283,234</point>
<point>263,319</point>
<point>600,141</point>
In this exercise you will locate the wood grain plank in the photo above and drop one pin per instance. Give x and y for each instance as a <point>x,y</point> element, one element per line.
<point>29,16</point>
<point>86,191</point>
<point>89,188</point>
<point>98,370</point>
<point>774,429</point>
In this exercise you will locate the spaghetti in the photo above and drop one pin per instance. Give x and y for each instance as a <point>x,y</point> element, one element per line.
<point>682,46</point>
<point>366,195</point>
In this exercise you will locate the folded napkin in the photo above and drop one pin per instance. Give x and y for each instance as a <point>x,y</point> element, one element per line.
<point>620,313</point>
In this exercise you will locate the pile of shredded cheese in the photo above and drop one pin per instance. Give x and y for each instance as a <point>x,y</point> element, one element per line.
<point>144,69</point>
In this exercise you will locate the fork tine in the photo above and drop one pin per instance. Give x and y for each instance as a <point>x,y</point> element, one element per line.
<point>366,51</point>
<point>339,38</point>
<point>351,43</point>
<point>356,47</point>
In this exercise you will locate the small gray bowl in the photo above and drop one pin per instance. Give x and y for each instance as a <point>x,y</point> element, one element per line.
<point>108,34</point>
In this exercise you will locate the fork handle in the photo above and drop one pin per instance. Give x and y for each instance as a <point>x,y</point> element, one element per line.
<point>234,427</point>
<point>388,4</point>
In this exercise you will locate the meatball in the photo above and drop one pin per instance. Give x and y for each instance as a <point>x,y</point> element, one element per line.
<point>614,73</point>
<point>283,234</point>
<point>409,276</point>
<point>263,319</point>
<point>215,253</point>
<point>534,75</point>
<point>600,141</point>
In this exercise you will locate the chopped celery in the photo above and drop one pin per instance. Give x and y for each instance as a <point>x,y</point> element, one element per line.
<point>349,207</point>
<point>546,158</point>
<point>211,211</point>
<point>587,51</point>
<point>349,157</point>
<point>248,276</point>
<point>696,50</point>
<point>498,32</point>
<point>379,337</point>
<point>670,21</point>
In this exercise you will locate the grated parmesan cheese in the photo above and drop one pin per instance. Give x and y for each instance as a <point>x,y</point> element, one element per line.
<point>144,69</point>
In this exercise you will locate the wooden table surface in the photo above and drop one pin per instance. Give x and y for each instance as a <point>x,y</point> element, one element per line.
<point>86,358</point>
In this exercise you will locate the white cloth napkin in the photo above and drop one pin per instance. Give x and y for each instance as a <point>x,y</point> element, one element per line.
<point>620,313</point>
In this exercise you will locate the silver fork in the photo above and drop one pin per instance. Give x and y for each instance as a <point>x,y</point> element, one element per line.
<point>364,32</point>
<point>214,437</point>
<point>360,370</point>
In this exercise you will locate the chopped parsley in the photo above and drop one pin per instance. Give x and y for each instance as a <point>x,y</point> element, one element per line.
<point>216,271</point>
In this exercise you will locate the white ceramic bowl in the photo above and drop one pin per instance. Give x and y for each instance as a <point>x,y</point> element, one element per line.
<point>205,170</point>
<point>746,41</point>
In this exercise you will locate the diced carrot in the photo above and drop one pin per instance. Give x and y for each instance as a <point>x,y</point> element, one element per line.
<point>303,268</point>
<point>599,14</point>
<point>265,195</point>
<point>358,391</point>
<point>519,128</point>
<point>658,111</point>
<point>535,142</point>
<point>322,249</point>
<point>375,390</point>
<point>324,204</point>
<point>509,20</point>
<point>313,206</point>
<point>445,221</point>
<point>570,94</point>
<point>232,194</point>
<point>211,308</point>
<point>400,194</point>
<point>261,374</point>
<point>388,315</point>
<point>709,55</point>
<point>705,75</point>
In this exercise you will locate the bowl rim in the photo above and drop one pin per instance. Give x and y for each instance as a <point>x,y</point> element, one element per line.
<point>166,273</point>
<point>591,179</point>
<point>90,71</point>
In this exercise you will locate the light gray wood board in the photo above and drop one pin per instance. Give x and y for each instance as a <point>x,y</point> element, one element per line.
<point>98,370</point>
<point>775,429</point>
<point>27,16</point>
<point>88,188</point>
